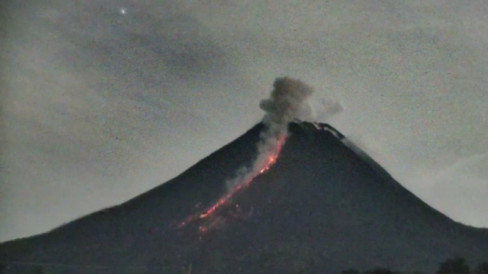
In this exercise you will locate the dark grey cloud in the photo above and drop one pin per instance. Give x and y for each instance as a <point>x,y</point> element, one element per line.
<point>141,46</point>
<point>88,93</point>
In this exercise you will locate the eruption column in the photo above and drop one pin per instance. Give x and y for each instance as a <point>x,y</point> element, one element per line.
<point>287,102</point>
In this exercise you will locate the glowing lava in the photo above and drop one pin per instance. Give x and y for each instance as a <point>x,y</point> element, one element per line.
<point>260,167</point>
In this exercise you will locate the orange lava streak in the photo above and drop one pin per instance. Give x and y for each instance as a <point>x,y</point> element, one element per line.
<point>219,203</point>
<point>270,160</point>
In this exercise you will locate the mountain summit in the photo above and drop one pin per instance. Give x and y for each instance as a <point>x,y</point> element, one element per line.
<point>321,207</point>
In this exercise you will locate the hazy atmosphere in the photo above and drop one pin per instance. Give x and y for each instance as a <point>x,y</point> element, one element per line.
<point>103,100</point>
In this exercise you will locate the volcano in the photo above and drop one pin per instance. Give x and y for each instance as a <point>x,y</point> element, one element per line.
<point>321,207</point>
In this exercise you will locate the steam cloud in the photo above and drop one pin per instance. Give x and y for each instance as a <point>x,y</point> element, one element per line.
<point>288,100</point>
<point>324,109</point>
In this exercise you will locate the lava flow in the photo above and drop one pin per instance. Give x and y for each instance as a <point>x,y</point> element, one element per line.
<point>259,167</point>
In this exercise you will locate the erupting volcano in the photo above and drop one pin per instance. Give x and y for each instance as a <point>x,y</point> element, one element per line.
<point>287,100</point>
<point>244,181</point>
<point>285,197</point>
<point>270,160</point>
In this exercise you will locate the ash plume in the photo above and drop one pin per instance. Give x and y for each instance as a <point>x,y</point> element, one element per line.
<point>324,109</point>
<point>287,101</point>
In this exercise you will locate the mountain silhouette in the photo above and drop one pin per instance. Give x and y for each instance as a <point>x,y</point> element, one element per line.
<point>323,207</point>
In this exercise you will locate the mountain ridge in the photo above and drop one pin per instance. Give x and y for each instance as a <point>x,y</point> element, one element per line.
<point>321,199</point>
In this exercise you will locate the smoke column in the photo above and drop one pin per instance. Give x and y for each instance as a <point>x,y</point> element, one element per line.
<point>286,102</point>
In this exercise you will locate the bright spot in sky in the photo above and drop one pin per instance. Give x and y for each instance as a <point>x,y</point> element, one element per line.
<point>123,11</point>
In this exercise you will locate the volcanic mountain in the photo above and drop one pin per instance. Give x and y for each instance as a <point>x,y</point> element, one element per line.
<point>324,206</point>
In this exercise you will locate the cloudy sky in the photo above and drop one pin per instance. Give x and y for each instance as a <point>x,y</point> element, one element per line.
<point>103,100</point>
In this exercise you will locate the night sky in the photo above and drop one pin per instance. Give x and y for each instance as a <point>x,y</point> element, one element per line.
<point>103,100</point>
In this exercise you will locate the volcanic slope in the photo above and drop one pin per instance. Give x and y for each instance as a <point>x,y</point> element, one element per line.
<point>323,207</point>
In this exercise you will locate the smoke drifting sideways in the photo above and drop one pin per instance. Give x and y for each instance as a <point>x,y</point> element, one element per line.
<point>325,109</point>
<point>287,101</point>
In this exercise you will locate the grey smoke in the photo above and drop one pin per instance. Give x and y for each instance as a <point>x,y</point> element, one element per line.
<point>324,109</point>
<point>288,100</point>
